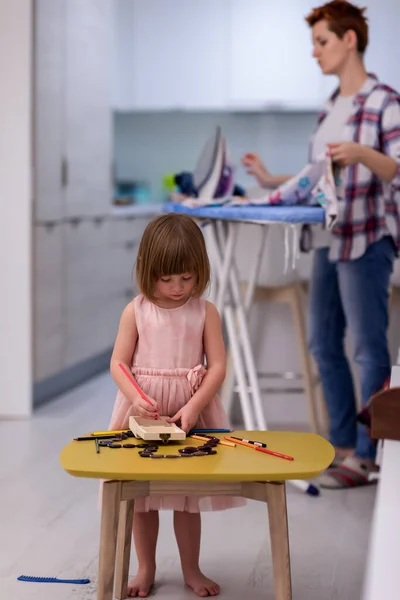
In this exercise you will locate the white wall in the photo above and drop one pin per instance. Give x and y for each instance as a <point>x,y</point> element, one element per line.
<point>381,573</point>
<point>15,208</point>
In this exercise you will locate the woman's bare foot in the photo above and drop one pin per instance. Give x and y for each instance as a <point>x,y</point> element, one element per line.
<point>140,586</point>
<point>200,584</point>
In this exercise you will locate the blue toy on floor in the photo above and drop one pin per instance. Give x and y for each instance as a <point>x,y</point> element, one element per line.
<point>52,580</point>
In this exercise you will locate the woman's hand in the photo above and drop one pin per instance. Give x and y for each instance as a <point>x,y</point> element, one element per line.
<point>187,416</point>
<point>143,409</point>
<point>350,153</point>
<point>345,153</point>
<point>254,166</point>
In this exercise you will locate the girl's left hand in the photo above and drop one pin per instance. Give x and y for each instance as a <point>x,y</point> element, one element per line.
<point>187,416</point>
<point>345,153</point>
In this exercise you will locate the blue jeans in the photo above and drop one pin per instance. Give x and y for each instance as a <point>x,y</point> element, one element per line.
<point>353,293</point>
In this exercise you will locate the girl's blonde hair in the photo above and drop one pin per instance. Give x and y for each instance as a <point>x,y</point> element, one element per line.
<point>172,244</point>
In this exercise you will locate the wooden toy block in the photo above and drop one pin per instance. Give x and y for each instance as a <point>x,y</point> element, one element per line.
<point>151,430</point>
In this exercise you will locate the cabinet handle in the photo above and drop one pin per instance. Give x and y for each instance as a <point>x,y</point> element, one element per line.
<point>74,221</point>
<point>49,225</point>
<point>64,173</point>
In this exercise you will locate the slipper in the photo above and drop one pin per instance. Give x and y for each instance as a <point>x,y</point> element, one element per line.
<point>339,458</point>
<point>347,474</point>
<point>336,462</point>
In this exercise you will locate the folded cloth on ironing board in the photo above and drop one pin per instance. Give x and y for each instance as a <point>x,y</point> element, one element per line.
<point>315,183</point>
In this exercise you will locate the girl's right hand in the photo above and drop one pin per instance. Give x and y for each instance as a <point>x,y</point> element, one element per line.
<point>254,166</point>
<point>143,409</point>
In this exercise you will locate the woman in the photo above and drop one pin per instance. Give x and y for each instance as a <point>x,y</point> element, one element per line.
<point>351,271</point>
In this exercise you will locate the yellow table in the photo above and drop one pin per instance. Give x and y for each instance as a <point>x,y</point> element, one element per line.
<point>239,471</point>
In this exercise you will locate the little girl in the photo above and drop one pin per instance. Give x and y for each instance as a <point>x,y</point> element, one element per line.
<point>164,335</point>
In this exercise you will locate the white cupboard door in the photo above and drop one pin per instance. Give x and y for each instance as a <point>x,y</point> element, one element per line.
<point>87,262</point>
<point>88,290</point>
<point>383,52</point>
<point>48,301</point>
<point>88,107</point>
<point>271,54</point>
<point>48,108</point>
<point>174,54</point>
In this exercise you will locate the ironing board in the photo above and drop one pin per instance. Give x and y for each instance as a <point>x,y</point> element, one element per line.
<point>224,222</point>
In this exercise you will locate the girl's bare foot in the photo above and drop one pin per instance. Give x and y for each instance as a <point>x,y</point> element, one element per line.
<point>140,586</point>
<point>200,584</point>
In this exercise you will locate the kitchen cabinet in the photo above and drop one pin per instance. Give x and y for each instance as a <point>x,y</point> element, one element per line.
<point>86,333</point>
<point>48,301</point>
<point>238,55</point>
<point>272,65</point>
<point>88,125</point>
<point>72,108</point>
<point>73,301</point>
<point>87,264</point>
<point>89,291</point>
<point>100,262</point>
<point>125,236</point>
<point>214,54</point>
<point>383,51</point>
<point>48,108</point>
<point>171,55</point>
<point>84,276</point>
<point>271,56</point>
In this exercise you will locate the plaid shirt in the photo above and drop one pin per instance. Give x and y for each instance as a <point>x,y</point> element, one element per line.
<point>368,206</point>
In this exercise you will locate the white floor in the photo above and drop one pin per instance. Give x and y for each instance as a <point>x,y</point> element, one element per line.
<point>49,522</point>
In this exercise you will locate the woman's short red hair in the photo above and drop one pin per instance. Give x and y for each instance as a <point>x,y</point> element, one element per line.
<point>342,16</point>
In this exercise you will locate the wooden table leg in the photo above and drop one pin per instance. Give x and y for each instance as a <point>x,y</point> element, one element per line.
<point>108,539</point>
<point>124,548</point>
<point>278,527</point>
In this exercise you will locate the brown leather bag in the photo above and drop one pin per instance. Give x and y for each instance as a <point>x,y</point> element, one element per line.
<point>384,408</point>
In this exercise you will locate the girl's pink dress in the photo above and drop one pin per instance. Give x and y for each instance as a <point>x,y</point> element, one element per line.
<point>168,364</point>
